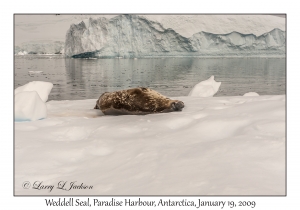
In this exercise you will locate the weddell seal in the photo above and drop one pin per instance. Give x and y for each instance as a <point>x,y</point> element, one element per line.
<point>136,101</point>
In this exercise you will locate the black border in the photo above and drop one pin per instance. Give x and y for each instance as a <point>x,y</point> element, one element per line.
<point>14,184</point>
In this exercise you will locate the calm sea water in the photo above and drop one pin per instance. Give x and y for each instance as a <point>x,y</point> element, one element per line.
<point>88,79</point>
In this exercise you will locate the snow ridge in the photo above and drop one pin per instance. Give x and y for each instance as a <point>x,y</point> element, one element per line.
<point>131,36</point>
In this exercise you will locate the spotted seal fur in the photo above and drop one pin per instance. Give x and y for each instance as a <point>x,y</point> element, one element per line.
<point>136,101</point>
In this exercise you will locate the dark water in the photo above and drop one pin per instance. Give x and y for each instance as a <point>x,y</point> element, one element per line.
<point>86,79</point>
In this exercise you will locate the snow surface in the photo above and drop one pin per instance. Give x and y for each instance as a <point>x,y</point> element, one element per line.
<point>29,106</point>
<point>42,88</point>
<point>206,88</point>
<point>215,146</point>
<point>251,94</point>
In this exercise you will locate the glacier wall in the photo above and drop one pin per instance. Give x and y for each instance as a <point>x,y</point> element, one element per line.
<point>131,36</point>
<point>41,47</point>
<point>236,43</point>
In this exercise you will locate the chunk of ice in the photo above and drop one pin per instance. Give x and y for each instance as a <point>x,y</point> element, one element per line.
<point>205,88</point>
<point>35,72</point>
<point>29,106</point>
<point>42,88</point>
<point>251,94</point>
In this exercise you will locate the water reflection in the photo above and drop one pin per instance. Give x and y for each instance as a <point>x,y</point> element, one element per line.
<point>84,79</point>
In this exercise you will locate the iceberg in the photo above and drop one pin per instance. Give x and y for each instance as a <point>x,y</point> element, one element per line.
<point>42,88</point>
<point>206,88</point>
<point>29,106</point>
<point>30,101</point>
<point>35,72</point>
<point>133,36</point>
<point>22,53</point>
<point>251,94</point>
<point>40,47</point>
<point>236,43</point>
<point>189,24</point>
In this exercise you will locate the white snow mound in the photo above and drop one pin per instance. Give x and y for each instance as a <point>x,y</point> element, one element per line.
<point>251,94</point>
<point>206,88</point>
<point>29,106</point>
<point>42,88</point>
